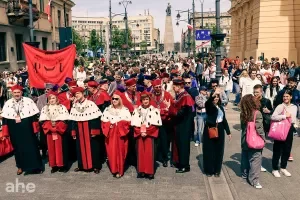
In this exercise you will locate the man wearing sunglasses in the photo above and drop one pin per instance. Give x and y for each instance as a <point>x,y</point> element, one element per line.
<point>215,87</point>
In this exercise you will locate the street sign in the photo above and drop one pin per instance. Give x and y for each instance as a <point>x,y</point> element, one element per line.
<point>203,34</point>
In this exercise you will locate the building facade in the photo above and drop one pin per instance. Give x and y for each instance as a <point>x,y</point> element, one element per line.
<point>141,27</point>
<point>14,29</point>
<point>209,22</point>
<point>270,27</point>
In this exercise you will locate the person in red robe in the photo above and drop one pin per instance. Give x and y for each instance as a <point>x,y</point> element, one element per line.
<point>131,100</point>
<point>115,126</point>
<point>85,119</point>
<point>53,119</point>
<point>65,95</point>
<point>98,95</point>
<point>161,101</point>
<point>182,119</point>
<point>146,121</point>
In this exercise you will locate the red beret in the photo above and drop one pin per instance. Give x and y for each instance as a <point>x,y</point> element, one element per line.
<point>145,93</point>
<point>130,82</point>
<point>174,71</point>
<point>52,93</point>
<point>93,84</point>
<point>156,82</point>
<point>17,87</point>
<point>77,89</point>
<point>117,92</point>
<point>72,84</point>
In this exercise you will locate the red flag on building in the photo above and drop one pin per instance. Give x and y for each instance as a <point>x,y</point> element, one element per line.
<point>49,66</point>
<point>48,11</point>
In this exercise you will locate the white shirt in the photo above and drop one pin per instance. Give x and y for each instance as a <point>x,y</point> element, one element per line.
<point>248,84</point>
<point>213,74</point>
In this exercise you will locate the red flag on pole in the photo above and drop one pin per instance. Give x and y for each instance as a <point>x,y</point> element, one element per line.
<point>190,27</point>
<point>48,10</point>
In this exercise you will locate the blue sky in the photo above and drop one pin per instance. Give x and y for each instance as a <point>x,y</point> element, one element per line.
<point>99,8</point>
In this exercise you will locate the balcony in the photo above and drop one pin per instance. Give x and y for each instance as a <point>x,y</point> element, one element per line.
<point>18,12</point>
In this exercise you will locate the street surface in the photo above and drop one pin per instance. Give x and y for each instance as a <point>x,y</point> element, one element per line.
<point>167,185</point>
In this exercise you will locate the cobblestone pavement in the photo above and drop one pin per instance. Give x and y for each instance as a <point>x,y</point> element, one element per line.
<point>273,188</point>
<point>166,185</point>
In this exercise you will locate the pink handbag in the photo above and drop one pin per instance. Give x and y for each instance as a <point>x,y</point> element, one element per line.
<point>280,129</point>
<point>254,140</point>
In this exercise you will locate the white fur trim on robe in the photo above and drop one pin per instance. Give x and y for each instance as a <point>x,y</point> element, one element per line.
<point>55,112</point>
<point>113,115</point>
<point>152,117</point>
<point>91,111</point>
<point>27,109</point>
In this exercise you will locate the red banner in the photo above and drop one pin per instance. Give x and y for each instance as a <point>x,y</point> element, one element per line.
<point>49,66</point>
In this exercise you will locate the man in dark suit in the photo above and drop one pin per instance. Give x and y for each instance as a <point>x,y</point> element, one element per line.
<point>265,109</point>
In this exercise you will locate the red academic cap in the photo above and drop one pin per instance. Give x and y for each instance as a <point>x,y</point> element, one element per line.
<point>17,87</point>
<point>93,84</point>
<point>145,93</point>
<point>77,89</point>
<point>72,84</point>
<point>130,82</point>
<point>52,93</point>
<point>156,82</point>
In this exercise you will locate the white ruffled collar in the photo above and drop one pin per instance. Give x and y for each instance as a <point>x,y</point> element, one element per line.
<point>84,111</point>
<point>54,113</point>
<point>26,107</point>
<point>114,115</point>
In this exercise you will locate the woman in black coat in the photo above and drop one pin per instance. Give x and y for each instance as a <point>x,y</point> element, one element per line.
<point>213,149</point>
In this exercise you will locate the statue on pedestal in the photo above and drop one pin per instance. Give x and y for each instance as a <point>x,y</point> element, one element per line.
<point>168,11</point>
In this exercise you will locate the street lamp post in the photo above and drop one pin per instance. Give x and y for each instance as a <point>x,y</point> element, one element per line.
<point>202,1</point>
<point>125,4</point>
<point>218,37</point>
<point>194,30</point>
<point>30,20</point>
<point>189,30</point>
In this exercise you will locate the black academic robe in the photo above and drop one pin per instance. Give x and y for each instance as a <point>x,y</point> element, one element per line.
<point>213,149</point>
<point>88,147</point>
<point>183,117</point>
<point>24,140</point>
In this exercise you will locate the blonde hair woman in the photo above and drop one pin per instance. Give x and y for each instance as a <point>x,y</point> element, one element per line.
<point>243,77</point>
<point>116,121</point>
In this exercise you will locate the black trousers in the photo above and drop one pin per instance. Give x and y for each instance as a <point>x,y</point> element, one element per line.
<point>199,79</point>
<point>282,150</point>
<point>213,151</point>
<point>163,145</point>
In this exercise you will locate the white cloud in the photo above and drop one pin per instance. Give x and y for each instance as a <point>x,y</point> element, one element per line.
<point>100,8</point>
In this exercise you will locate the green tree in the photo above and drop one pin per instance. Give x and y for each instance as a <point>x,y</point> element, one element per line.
<point>94,42</point>
<point>119,39</point>
<point>77,40</point>
<point>143,45</point>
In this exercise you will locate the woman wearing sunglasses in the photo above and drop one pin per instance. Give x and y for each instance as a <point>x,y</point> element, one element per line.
<point>115,126</point>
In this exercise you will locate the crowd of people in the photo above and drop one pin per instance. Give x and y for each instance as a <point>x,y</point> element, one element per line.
<point>141,111</point>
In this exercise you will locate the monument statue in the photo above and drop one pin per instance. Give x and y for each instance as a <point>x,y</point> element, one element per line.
<point>169,34</point>
<point>168,11</point>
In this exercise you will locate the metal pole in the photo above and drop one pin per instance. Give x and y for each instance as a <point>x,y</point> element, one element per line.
<point>126,32</point>
<point>202,28</point>
<point>134,43</point>
<point>110,34</point>
<point>189,36</point>
<point>218,50</point>
<point>194,31</point>
<point>30,20</point>
<point>65,14</point>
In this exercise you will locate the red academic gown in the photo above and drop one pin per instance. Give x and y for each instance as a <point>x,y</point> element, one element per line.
<point>182,118</point>
<point>145,149</point>
<point>88,148</point>
<point>64,100</point>
<point>101,98</point>
<point>55,142</point>
<point>116,143</point>
<point>129,101</point>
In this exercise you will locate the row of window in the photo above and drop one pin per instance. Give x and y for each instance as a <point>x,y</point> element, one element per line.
<point>19,48</point>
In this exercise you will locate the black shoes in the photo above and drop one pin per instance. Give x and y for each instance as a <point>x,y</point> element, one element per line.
<point>140,175</point>
<point>165,164</point>
<point>54,169</point>
<point>96,171</point>
<point>183,170</point>
<point>217,175</point>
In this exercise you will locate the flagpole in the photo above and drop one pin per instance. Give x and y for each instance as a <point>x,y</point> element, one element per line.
<point>30,20</point>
